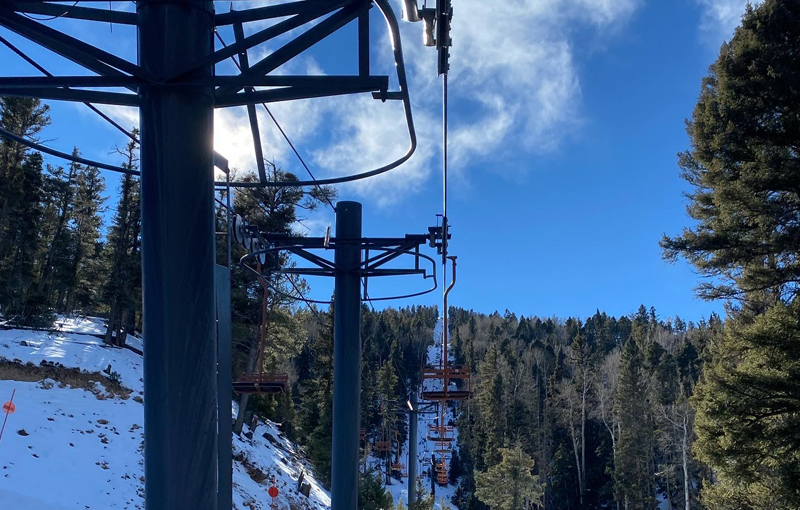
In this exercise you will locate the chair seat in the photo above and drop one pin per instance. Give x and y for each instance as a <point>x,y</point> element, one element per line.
<point>261,384</point>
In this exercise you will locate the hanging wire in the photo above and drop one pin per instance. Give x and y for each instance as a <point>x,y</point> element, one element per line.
<point>300,295</point>
<point>278,125</point>
<point>49,18</point>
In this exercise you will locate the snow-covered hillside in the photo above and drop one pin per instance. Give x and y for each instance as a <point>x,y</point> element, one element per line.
<point>75,440</point>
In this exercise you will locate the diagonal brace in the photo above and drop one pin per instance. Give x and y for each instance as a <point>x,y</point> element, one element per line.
<point>303,42</point>
<point>259,37</point>
<point>244,64</point>
<point>69,47</point>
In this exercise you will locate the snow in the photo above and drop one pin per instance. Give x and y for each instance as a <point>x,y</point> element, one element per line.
<point>282,460</point>
<point>80,324</point>
<point>73,350</point>
<point>81,447</point>
<point>84,450</point>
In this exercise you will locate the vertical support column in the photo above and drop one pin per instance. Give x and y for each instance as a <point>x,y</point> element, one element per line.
<point>224,377</point>
<point>363,41</point>
<point>346,358</point>
<point>180,380</point>
<point>412,449</point>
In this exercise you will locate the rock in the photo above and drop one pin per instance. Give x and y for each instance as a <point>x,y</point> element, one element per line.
<point>47,384</point>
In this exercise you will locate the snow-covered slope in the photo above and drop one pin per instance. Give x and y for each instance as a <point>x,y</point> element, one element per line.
<point>79,445</point>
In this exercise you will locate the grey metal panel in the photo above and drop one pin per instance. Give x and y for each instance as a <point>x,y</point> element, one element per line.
<point>224,447</point>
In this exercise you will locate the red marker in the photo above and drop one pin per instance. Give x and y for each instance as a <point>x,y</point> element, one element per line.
<point>8,408</point>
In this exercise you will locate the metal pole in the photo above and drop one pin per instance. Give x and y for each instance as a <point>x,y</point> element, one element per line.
<point>346,358</point>
<point>412,450</point>
<point>178,255</point>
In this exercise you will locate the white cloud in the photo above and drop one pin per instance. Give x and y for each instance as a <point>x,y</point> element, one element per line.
<point>721,17</point>
<point>513,83</point>
<point>372,134</point>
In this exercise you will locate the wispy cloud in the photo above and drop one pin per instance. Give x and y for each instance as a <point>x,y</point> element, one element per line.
<point>721,17</point>
<point>513,83</point>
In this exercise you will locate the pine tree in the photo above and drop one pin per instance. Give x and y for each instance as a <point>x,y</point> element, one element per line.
<point>20,212</point>
<point>744,166</point>
<point>748,412</point>
<point>55,272</point>
<point>86,262</point>
<point>27,306</point>
<point>491,419</point>
<point>274,210</point>
<point>316,393</point>
<point>387,394</point>
<point>122,289</point>
<point>372,495</point>
<point>511,484</point>
<point>633,474</point>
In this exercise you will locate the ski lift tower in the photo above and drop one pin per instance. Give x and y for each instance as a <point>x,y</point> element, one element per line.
<point>175,86</point>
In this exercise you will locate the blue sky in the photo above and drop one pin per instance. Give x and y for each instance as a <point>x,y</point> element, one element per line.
<point>565,120</point>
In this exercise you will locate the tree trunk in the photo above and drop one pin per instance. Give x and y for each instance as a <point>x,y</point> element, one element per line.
<point>577,463</point>
<point>244,399</point>
<point>62,219</point>
<point>122,332</point>
<point>685,461</point>
<point>585,389</point>
<point>112,320</point>
<point>62,296</point>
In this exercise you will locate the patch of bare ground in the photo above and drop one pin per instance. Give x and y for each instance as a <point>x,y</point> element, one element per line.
<point>74,377</point>
<point>254,471</point>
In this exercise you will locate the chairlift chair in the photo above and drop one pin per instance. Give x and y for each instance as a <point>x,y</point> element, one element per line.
<point>446,374</point>
<point>261,383</point>
<point>440,433</point>
<point>382,446</point>
<point>442,447</point>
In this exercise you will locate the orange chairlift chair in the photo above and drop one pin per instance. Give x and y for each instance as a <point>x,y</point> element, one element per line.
<point>397,465</point>
<point>445,372</point>
<point>382,446</point>
<point>442,476</point>
<point>259,382</point>
<point>440,433</point>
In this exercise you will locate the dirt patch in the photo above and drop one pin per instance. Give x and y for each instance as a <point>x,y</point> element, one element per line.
<point>16,371</point>
<point>255,473</point>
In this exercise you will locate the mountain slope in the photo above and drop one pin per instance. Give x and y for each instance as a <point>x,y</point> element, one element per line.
<point>76,438</point>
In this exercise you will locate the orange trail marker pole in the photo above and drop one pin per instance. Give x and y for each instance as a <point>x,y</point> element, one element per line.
<point>9,408</point>
<point>273,493</point>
